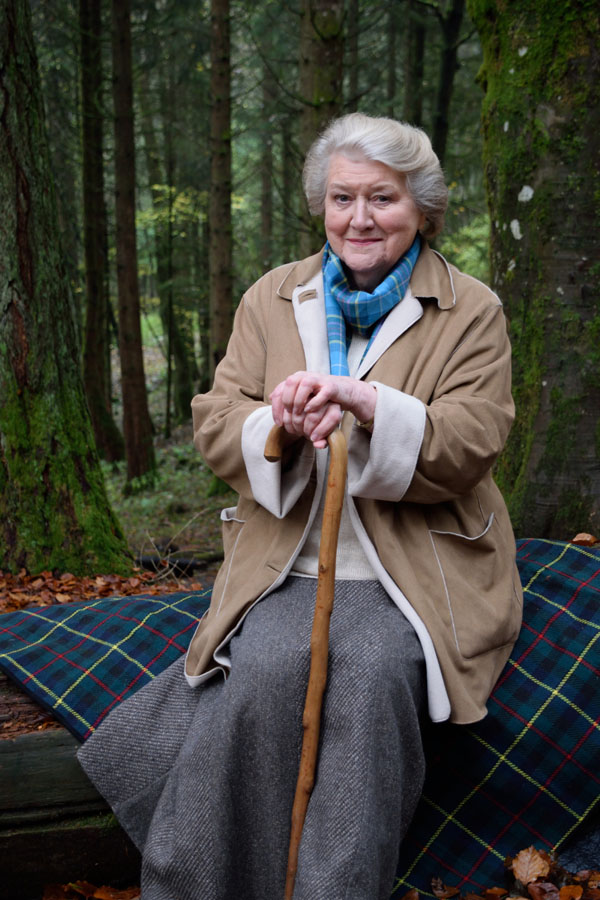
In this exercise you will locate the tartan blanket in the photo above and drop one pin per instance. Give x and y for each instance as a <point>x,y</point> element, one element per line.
<point>81,659</point>
<point>529,773</point>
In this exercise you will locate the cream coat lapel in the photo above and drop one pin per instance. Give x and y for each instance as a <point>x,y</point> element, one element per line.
<point>309,309</point>
<point>397,321</point>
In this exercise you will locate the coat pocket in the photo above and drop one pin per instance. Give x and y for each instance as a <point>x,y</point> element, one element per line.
<point>477,573</point>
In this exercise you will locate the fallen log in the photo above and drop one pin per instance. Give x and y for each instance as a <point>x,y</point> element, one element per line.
<point>54,826</point>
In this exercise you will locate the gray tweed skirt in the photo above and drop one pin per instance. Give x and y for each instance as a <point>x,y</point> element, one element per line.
<point>203,779</point>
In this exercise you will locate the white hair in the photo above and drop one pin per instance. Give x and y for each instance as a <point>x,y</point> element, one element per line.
<point>400,146</point>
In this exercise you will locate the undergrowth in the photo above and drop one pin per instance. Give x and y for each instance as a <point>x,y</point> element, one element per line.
<point>178,514</point>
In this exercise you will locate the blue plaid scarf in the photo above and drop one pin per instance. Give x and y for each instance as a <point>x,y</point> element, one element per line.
<point>360,309</point>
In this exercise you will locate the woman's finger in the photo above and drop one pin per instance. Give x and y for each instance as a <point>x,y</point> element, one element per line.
<point>327,422</point>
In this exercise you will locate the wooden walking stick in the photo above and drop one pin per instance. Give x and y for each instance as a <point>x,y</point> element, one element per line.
<point>319,641</point>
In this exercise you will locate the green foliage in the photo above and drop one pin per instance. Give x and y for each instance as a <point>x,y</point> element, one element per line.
<point>468,248</point>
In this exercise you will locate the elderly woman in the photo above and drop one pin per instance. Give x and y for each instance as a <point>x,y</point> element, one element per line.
<point>378,335</point>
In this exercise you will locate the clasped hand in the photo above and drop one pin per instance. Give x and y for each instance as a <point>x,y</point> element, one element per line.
<point>311,405</point>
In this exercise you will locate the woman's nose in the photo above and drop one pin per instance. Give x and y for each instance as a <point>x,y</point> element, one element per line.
<point>361,213</point>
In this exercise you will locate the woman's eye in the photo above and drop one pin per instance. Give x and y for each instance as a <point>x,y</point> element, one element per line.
<point>342,198</point>
<point>382,198</point>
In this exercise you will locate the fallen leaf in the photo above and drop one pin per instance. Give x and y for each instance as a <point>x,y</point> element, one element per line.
<point>529,864</point>
<point>413,894</point>
<point>584,540</point>
<point>108,893</point>
<point>570,892</point>
<point>441,890</point>
<point>82,887</point>
<point>542,890</point>
<point>593,879</point>
<point>494,893</point>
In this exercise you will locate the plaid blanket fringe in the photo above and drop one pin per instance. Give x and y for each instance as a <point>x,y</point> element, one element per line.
<point>527,774</point>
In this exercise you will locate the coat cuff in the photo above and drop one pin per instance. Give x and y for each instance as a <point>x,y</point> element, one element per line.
<point>381,465</point>
<point>277,491</point>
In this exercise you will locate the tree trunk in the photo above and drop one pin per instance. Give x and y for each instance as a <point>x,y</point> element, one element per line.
<point>137,427</point>
<point>266,172</point>
<point>541,124</point>
<point>220,257</point>
<point>352,32</point>
<point>289,192</point>
<point>450,23</point>
<point>201,279</point>
<point>414,65</point>
<point>391,39</point>
<point>321,71</point>
<point>95,375</point>
<point>54,513</point>
<point>163,242</point>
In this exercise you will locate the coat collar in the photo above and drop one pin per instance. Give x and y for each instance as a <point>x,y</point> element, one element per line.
<point>431,279</point>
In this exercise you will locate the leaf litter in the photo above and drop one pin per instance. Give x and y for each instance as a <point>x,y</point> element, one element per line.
<point>530,875</point>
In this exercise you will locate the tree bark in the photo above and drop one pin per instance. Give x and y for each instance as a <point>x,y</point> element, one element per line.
<point>95,357</point>
<point>541,125</point>
<point>289,192</point>
<point>392,80</point>
<point>352,32</point>
<point>137,427</point>
<point>54,513</point>
<point>450,23</point>
<point>220,253</point>
<point>161,183</point>
<point>414,65</point>
<point>320,76</point>
<point>266,172</point>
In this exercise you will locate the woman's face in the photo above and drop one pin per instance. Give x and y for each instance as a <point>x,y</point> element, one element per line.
<point>370,218</point>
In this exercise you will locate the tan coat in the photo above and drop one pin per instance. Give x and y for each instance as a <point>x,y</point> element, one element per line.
<point>423,501</point>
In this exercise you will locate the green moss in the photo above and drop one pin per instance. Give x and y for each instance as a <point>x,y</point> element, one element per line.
<point>538,113</point>
<point>55,513</point>
<point>574,512</point>
<point>561,434</point>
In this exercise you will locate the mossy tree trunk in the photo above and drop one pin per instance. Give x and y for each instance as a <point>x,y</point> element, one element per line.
<point>96,377</point>
<point>320,86</point>
<point>54,513</point>
<point>541,124</point>
<point>220,254</point>
<point>137,427</point>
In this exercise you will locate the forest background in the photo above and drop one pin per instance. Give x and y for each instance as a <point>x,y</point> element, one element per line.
<point>150,159</point>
